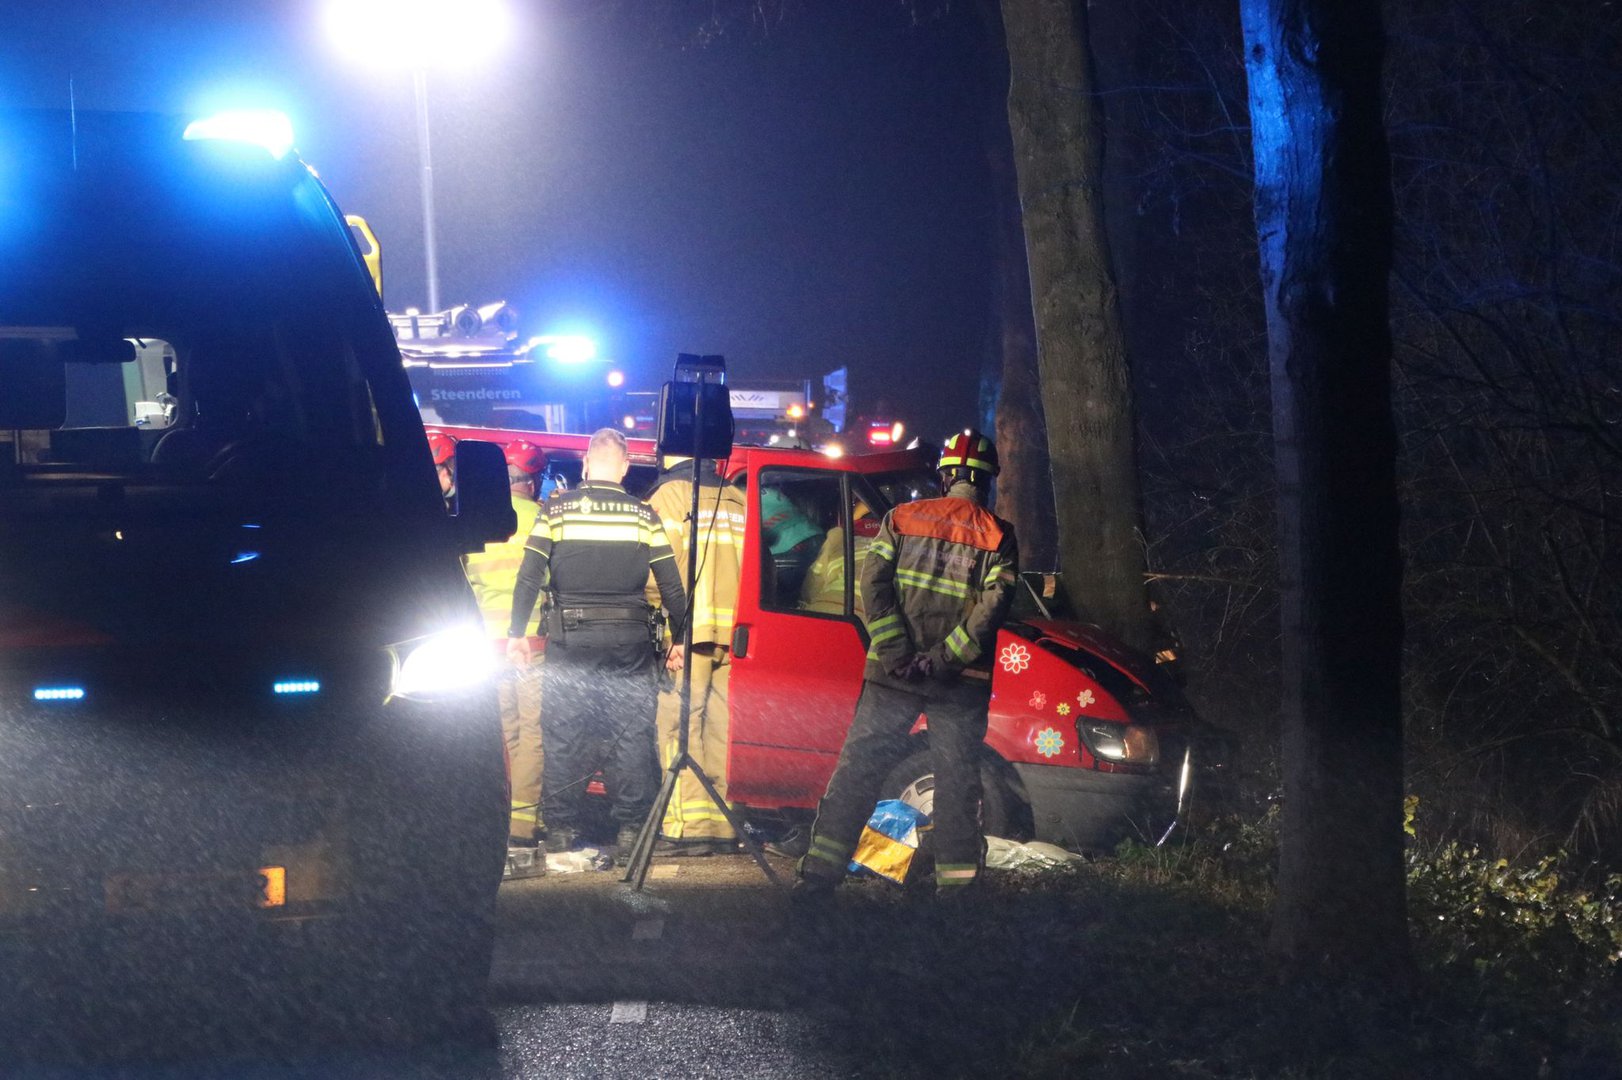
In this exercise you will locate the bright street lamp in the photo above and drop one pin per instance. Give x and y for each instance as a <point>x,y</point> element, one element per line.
<point>417,35</point>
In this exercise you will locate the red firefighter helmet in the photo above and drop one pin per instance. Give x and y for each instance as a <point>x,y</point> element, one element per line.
<point>969,449</point>
<point>442,446</point>
<point>525,455</point>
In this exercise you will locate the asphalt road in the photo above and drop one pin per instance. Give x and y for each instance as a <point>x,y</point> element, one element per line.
<point>700,975</point>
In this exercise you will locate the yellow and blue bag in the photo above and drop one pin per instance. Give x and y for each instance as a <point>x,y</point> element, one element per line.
<point>889,841</point>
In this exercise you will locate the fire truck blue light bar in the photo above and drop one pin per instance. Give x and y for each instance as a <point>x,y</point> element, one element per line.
<point>58,693</point>
<point>297,686</point>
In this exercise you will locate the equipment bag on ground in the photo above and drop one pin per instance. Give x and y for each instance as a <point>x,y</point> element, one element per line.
<point>889,841</point>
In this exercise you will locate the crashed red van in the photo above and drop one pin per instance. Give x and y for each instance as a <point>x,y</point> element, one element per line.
<point>1088,743</point>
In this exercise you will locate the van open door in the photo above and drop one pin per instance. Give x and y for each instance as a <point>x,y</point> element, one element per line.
<point>798,645</point>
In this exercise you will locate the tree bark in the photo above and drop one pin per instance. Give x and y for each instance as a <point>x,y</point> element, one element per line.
<point>1324,227</point>
<point>1025,486</point>
<point>1086,392</point>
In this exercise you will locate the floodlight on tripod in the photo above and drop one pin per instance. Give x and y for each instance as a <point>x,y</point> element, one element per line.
<point>695,420</point>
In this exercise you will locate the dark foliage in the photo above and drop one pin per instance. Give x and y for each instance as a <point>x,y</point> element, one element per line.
<point>1506,306</point>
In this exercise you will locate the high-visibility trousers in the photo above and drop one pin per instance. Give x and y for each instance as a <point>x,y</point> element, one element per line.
<point>519,691</point>
<point>691,814</point>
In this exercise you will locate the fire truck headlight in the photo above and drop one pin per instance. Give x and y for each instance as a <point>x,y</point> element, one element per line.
<point>616,378</point>
<point>256,127</point>
<point>441,664</point>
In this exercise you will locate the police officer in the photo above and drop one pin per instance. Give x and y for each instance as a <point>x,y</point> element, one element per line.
<point>693,825</point>
<point>592,549</point>
<point>937,582</point>
<point>493,573</point>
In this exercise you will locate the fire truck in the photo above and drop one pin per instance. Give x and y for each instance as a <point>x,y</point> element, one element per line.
<point>469,365</point>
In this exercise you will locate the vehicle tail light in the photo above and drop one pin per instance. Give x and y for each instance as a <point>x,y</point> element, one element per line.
<point>1109,741</point>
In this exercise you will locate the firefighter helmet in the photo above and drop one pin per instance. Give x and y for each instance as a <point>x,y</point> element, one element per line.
<point>442,446</point>
<point>969,450</point>
<point>525,456</point>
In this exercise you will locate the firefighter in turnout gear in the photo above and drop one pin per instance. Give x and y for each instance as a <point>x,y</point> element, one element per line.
<point>493,573</point>
<point>592,550</point>
<point>692,824</point>
<point>937,582</point>
<point>443,449</point>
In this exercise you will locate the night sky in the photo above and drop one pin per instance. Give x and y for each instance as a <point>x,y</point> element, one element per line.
<point>798,200</point>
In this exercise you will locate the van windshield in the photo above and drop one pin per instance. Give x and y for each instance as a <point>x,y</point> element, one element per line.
<point>178,320</point>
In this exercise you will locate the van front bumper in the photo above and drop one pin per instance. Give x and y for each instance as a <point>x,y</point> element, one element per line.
<point>1087,810</point>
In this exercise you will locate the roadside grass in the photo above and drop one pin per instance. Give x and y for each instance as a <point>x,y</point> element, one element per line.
<point>1518,973</point>
<point>1152,964</point>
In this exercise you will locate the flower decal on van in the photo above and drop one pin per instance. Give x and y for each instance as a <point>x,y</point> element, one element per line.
<point>1085,698</point>
<point>1015,658</point>
<point>1062,708</point>
<point>1039,700</point>
<point>1049,742</point>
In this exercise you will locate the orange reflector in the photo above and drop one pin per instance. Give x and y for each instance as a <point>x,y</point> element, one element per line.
<point>272,886</point>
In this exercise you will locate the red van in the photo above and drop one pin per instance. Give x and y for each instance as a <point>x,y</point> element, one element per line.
<point>1088,742</point>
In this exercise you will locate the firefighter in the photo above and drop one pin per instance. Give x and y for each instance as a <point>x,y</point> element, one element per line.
<point>443,448</point>
<point>591,550</point>
<point>493,573</point>
<point>938,581</point>
<point>824,586</point>
<point>693,825</point>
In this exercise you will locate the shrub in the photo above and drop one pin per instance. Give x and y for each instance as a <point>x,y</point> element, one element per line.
<point>1532,929</point>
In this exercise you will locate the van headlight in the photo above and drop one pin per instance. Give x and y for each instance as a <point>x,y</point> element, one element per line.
<point>1120,742</point>
<point>441,664</point>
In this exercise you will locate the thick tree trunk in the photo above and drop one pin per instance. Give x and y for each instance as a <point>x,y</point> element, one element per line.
<point>1025,486</point>
<point>1323,220</point>
<point>1086,391</point>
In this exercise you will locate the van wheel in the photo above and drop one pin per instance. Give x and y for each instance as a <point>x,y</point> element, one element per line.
<point>1002,811</point>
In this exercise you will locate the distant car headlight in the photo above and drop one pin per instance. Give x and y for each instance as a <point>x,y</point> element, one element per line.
<point>441,664</point>
<point>1120,742</point>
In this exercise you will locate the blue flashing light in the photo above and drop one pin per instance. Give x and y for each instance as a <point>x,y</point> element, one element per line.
<point>297,686</point>
<point>567,348</point>
<point>244,556</point>
<point>256,127</point>
<point>58,693</point>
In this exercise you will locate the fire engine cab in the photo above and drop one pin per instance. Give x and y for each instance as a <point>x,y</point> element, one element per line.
<point>1087,744</point>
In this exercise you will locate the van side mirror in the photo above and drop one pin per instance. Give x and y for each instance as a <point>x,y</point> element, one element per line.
<point>484,509</point>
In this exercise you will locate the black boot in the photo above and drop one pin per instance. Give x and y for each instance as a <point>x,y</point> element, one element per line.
<point>624,842</point>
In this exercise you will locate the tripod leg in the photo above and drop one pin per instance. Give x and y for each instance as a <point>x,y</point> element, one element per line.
<point>749,842</point>
<point>636,870</point>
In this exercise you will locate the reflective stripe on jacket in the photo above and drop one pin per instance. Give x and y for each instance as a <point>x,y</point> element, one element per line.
<point>493,571</point>
<point>593,547</point>
<point>714,604</point>
<point>938,580</point>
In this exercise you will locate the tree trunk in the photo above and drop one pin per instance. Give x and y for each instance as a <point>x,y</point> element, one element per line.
<point>1025,486</point>
<point>1086,392</point>
<point>1324,224</point>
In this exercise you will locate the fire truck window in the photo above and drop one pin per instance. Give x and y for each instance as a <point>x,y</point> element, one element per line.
<point>799,512</point>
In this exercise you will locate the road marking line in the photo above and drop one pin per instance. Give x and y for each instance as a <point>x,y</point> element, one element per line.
<point>648,930</point>
<point>628,1012</point>
<point>667,870</point>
